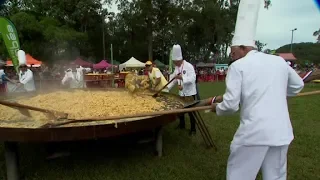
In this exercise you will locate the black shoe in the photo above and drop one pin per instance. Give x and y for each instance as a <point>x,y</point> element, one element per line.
<point>180,127</point>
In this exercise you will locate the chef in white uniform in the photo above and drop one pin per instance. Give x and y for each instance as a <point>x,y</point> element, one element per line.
<point>260,83</point>
<point>185,78</point>
<point>25,75</point>
<point>74,77</point>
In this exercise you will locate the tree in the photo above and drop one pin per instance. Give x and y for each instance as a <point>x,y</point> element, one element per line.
<point>51,30</point>
<point>317,34</point>
<point>304,52</point>
<point>260,45</point>
<point>267,3</point>
<point>145,29</point>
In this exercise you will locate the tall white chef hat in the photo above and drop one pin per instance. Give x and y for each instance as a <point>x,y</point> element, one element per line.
<point>22,58</point>
<point>176,53</point>
<point>246,24</point>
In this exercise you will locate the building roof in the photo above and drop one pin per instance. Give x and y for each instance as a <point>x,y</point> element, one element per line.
<point>287,56</point>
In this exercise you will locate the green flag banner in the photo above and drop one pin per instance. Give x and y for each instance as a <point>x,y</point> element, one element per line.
<point>170,62</point>
<point>11,40</point>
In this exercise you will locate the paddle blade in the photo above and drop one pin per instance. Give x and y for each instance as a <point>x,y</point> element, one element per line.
<point>24,112</point>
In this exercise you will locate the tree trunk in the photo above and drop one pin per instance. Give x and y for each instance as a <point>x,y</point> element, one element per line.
<point>226,51</point>
<point>149,29</point>
<point>150,55</point>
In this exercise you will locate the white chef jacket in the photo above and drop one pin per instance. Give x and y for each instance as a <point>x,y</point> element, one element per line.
<point>188,81</point>
<point>1,74</point>
<point>260,83</point>
<point>80,72</point>
<point>26,79</point>
<point>75,79</point>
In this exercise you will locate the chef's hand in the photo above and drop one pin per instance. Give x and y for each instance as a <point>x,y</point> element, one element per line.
<point>179,76</point>
<point>213,107</point>
<point>219,99</point>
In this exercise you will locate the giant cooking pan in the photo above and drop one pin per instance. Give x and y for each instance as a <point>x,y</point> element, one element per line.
<point>12,132</point>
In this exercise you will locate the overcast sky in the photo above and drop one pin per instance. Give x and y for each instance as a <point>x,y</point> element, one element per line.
<point>274,24</point>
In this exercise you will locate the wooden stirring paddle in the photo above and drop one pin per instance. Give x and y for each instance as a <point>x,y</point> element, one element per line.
<point>95,119</point>
<point>22,108</point>
<point>156,94</point>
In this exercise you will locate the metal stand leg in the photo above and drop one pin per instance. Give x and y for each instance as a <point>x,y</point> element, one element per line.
<point>159,132</point>
<point>12,160</point>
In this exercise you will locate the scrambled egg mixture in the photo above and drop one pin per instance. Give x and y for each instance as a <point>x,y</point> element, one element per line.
<point>80,103</point>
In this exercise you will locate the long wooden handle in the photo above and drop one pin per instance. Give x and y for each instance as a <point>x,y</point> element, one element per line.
<point>309,93</point>
<point>165,86</point>
<point>159,113</point>
<point>17,105</point>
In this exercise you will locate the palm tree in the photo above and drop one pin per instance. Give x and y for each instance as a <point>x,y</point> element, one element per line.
<point>317,33</point>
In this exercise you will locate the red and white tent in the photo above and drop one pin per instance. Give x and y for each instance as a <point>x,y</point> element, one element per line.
<point>102,65</point>
<point>30,61</point>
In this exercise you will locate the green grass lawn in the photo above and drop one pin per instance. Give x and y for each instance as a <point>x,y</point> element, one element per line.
<point>184,157</point>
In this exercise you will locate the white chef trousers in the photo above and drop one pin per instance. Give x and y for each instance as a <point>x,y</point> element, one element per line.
<point>245,162</point>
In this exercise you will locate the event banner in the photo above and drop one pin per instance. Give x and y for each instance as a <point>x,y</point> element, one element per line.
<point>11,40</point>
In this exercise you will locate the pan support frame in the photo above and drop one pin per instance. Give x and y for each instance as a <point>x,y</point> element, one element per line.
<point>159,141</point>
<point>12,160</point>
<point>12,154</point>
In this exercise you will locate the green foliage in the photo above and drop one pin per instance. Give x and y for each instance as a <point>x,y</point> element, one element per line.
<point>317,34</point>
<point>145,29</point>
<point>260,45</point>
<point>304,52</point>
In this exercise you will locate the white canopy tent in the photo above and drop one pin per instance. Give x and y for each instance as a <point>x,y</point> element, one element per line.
<point>132,63</point>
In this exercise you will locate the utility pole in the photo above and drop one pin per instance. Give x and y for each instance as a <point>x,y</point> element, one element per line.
<point>110,16</point>
<point>292,38</point>
<point>103,42</point>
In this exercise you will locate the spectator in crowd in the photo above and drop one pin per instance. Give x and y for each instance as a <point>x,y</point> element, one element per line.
<point>4,78</point>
